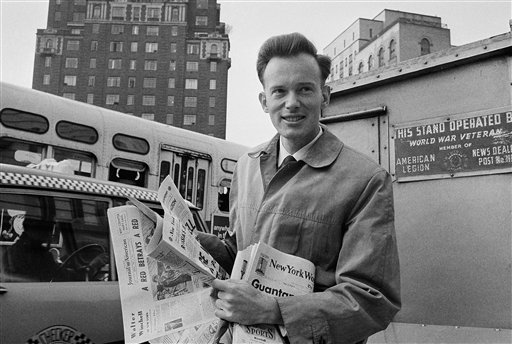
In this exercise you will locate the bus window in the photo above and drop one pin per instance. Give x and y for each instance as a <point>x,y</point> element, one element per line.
<point>24,121</point>
<point>190,184</point>
<point>177,175</point>
<point>47,238</point>
<point>76,132</point>
<point>20,153</point>
<point>130,144</point>
<point>165,170</point>
<point>223,201</point>
<point>201,181</point>
<point>83,164</point>
<point>128,172</point>
<point>183,178</point>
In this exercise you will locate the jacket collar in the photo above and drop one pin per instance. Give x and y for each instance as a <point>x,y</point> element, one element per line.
<point>321,154</point>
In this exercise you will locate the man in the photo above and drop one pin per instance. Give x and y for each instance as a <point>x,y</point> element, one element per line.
<point>333,206</point>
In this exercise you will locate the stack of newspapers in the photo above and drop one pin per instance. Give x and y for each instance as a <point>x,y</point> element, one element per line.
<point>164,275</point>
<point>277,274</point>
<point>163,272</point>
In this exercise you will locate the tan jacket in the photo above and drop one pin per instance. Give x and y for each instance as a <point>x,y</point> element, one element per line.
<point>335,209</point>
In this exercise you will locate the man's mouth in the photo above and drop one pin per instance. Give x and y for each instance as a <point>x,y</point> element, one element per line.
<point>293,118</point>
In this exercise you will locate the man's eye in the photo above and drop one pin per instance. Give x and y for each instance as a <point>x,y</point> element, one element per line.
<point>278,91</point>
<point>306,90</point>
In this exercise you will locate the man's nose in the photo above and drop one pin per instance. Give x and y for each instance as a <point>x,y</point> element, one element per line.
<point>292,101</point>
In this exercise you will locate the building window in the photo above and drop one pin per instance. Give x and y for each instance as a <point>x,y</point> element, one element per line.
<point>152,31</point>
<point>213,66</point>
<point>150,65</point>
<point>113,81</point>
<point>135,30</point>
<point>134,46</point>
<point>148,100</point>
<point>211,102</point>
<point>117,29</point>
<point>46,79</point>
<point>136,14</point>
<point>211,120</point>
<point>360,68</point>
<point>173,48</point>
<point>129,99</point>
<point>191,84</point>
<point>70,80</point>
<point>190,102</point>
<point>96,12</point>
<point>116,46</point>
<point>118,12</point>
<point>149,83</point>
<point>75,31</point>
<point>213,84</point>
<point>189,119</point>
<point>381,57</point>
<point>170,100</point>
<point>73,45</point>
<point>90,98</point>
<point>370,62</point>
<point>148,116</point>
<point>153,13</point>
<point>171,83</point>
<point>133,64</point>
<point>112,99</point>
<point>58,16</point>
<point>92,81</point>
<point>151,47</point>
<point>192,66</point>
<point>392,50</point>
<point>371,33</point>
<point>201,21</point>
<point>94,45</point>
<point>172,65</point>
<point>202,3</point>
<point>114,63</point>
<point>95,28</point>
<point>69,96</point>
<point>169,118</point>
<point>424,47</point>
<point>214,50</point>
<point>174,31</point>
<point>193,49</point>
<point>71,62</point>
<point>48,61</point>
<point>131,82</point>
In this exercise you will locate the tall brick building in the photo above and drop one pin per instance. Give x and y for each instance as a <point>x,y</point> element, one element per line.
<point>164,60</point>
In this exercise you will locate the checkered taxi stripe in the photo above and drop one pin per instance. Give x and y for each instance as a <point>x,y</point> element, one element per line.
<point>56,183</point>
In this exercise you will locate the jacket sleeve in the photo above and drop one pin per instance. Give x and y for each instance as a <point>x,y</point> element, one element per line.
<point>366,291</point>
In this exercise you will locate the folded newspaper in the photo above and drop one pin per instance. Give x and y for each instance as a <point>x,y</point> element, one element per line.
<point>276,274</point>
<point>163,272</point>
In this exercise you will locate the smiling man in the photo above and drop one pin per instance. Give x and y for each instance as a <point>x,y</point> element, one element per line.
<point>330,205</point>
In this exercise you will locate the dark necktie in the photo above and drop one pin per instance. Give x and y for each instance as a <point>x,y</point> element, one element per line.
<point>287,160</point>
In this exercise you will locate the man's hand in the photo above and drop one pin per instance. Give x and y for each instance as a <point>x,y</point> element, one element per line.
<point>238,301</point>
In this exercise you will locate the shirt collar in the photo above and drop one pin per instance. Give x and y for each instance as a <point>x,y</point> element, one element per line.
<point>298,155</point>
<point>322,153</point>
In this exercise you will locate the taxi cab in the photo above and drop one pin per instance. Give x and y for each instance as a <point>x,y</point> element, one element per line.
<point>58,282</point>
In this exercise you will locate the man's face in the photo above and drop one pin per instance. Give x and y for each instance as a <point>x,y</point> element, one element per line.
<point>294,96</point>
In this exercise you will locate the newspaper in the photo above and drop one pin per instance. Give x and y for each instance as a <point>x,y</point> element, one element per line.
<point>163,272</point>
<point>274,273</point>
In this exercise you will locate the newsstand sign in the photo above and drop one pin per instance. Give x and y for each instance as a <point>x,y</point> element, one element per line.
<point>480,143</point>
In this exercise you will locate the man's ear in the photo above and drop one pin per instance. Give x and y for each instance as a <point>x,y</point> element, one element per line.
<point>326,96</point>
<point>263,101</point>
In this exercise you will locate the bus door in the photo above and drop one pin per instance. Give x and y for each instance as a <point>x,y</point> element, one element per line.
<point>190,174</point>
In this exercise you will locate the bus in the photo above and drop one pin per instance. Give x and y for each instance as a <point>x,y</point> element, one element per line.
<point>38,129</point>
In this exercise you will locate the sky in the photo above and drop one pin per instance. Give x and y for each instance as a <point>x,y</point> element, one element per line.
<point>250,23</point>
